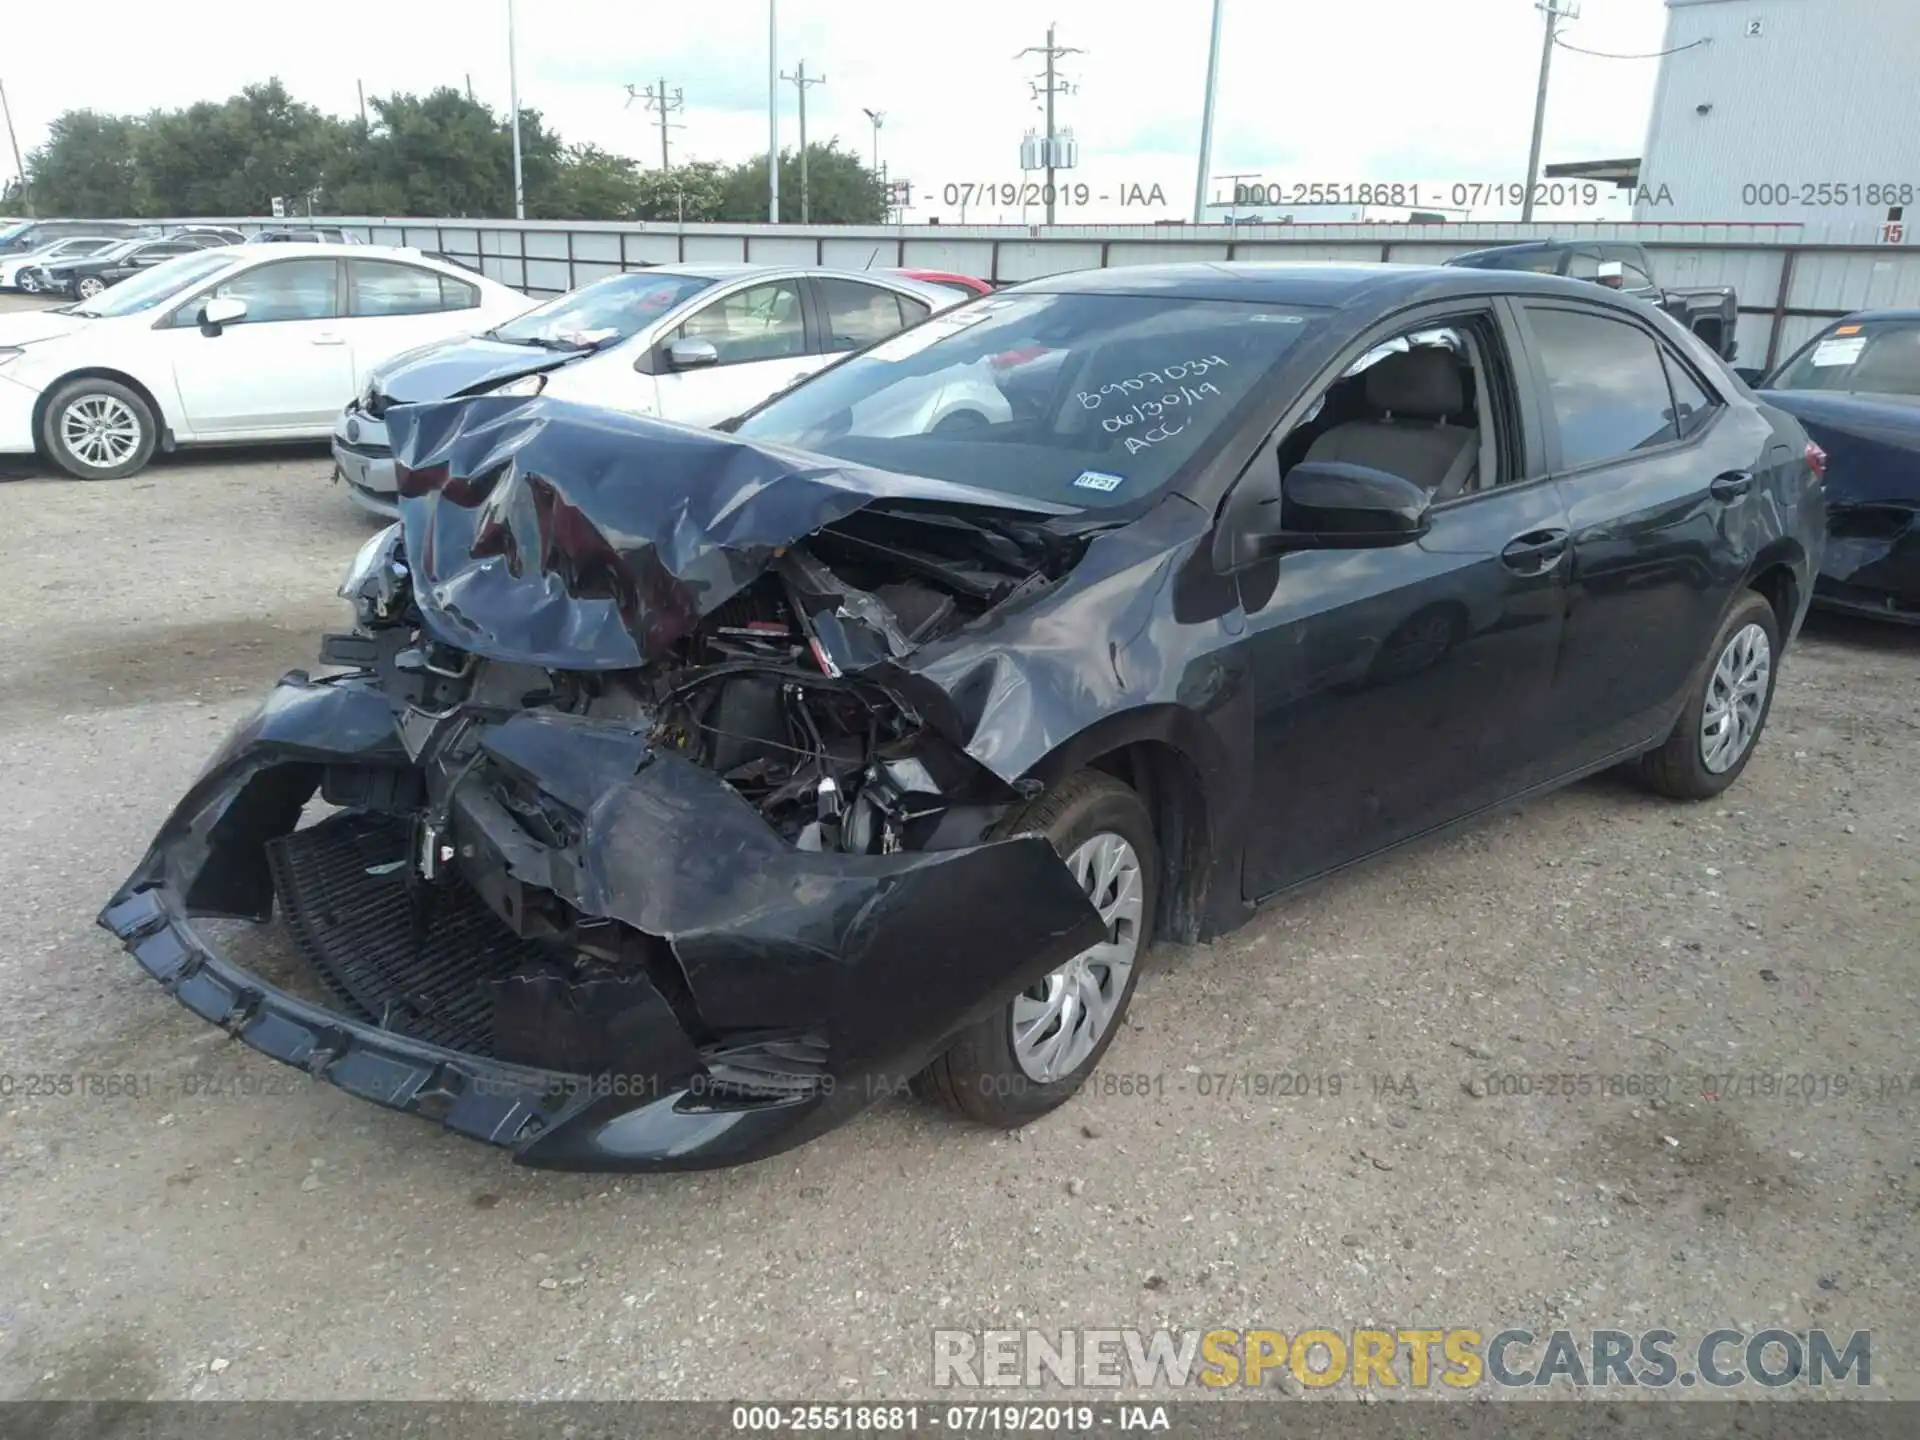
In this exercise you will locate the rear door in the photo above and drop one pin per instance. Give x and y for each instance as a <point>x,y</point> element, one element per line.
<point>1659,476</point>
<point>761,335</point>
<point>285,369</point>
<point>392,306</point>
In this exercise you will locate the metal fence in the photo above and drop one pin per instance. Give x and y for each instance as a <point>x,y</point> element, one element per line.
<point>1791,279</point>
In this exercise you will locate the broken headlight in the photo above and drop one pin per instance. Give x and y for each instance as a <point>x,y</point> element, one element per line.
<point>375,582</point>
<point>525,385</point>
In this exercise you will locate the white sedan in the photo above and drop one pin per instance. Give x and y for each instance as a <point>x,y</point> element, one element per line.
<point>243,343</point>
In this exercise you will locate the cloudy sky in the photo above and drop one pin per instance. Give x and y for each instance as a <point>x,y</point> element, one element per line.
<point>1310,90</point>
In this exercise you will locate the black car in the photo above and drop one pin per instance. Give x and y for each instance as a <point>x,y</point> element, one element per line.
<point>1856,388</point>
<point>25,235</point>
<point>694,789</point>
<point>86,277</point>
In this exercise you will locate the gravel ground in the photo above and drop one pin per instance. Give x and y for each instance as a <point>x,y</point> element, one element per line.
<point>302,1244</point>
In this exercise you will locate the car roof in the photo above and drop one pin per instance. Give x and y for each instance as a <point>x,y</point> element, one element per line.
<point>728,271</point>
<point>1897,312</point>
<point>1324,285</point>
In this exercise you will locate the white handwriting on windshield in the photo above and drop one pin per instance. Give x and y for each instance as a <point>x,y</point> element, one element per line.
<point>1134,384</point>
<point>1147,411</point>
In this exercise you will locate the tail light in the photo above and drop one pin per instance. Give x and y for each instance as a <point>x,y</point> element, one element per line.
<point>1817,461</point>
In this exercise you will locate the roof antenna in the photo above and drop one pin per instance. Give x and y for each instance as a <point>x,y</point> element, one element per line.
<point>870,258</point>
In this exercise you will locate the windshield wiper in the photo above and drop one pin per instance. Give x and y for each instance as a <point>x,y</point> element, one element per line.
<point>544,342</point>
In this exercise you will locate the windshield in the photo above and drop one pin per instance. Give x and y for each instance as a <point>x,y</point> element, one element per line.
<point>1539,262</point>
<point>603,313</point>
<point>144,291</point>
<point>1880,357</point>
<point>116,249</point>
<point>1090,400</point>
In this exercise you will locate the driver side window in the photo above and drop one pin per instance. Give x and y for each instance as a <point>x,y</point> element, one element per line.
<point>1426,405</point>
<point>284,290</point>
<point>763,322</point>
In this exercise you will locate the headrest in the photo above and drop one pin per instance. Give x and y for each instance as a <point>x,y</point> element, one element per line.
<point>1422,384</point>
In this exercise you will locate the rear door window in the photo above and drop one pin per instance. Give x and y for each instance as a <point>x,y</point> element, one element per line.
<point>1606,385</point>
<point>857,315</point>
<point>380,287</point>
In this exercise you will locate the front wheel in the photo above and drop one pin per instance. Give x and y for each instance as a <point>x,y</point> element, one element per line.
<point>98,429</point>
<point>1716,732</point>
<point>89,286</point>
<point>28,283</point>
<point>1033,1053</point>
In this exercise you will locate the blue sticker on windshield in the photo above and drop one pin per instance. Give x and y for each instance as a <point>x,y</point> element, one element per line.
<point>1099,480</point>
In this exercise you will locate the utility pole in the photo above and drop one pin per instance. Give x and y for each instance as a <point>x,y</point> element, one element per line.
<point>26,200</point>
<point>801,81</point>
<point>470,99</point>
<point>1052,86</point>
<point>773,117</point>
<point>1206,119</point>
<point>361,87</point>
<point>666,105</point>
<point>1553,10</point>
<point>513,101</point>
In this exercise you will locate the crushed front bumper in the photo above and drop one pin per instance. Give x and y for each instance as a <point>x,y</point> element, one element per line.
<point>773,992</point>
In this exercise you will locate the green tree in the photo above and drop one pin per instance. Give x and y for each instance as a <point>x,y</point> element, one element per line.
<point>589,184</point>
<point>693,192</point>
<point>840,189</point>
<point>87,167</point>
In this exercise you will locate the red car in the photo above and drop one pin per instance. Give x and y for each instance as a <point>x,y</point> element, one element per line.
<point>967,284</point>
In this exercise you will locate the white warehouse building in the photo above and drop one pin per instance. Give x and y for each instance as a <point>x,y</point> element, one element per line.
<point>1786,110</point>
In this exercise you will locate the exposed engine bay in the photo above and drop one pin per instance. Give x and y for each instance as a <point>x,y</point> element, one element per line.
<point>780,690</point>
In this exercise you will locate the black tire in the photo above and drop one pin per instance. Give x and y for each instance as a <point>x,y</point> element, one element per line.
<point>77,392</point>
<point>1678,769</point>
<point>979,1076</point>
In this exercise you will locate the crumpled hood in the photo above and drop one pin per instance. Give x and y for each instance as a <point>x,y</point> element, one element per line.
<point>443,369</point>
<point>544,532</point>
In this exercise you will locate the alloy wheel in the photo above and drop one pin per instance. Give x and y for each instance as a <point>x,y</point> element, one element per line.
<point>100,431</point>
<point>91,286</point>
<point>29,284</point>
<point>1058,1022</point>
<point>1736,695</point>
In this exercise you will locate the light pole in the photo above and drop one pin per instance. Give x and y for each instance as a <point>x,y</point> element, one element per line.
<point>513,103</point>
<point>1206,119</point>
<point>26,200</point>
<point>773,117</point>
<point>876,116</point>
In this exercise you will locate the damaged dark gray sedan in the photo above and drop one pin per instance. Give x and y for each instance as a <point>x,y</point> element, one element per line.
<point>676,793</point>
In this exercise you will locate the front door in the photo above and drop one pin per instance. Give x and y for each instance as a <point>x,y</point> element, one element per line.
<point>1398,689</point>
<point>285,368</point>
<point>760,335</point>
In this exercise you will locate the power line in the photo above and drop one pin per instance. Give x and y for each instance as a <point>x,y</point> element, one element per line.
<point>1650,55</point>
<point>658,101</point>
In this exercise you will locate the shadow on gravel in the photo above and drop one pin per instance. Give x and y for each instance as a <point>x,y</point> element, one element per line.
<point>178,662</point>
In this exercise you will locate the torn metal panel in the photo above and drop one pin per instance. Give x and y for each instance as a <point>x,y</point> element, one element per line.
<point>550,533</point>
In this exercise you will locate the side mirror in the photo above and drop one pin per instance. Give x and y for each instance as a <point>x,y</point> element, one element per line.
<point>221,310</point>
<point>692,354</point>
<point>1331,505</point>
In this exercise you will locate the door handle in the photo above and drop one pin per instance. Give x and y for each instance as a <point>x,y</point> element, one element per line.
<point>1535,552</point>
<point>1731,485</point>
<point>329,339</point>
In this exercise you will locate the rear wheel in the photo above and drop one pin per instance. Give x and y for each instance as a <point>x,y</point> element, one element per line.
<point>97,429</point>
<point>1033,1053</point>
<point>1716,733</point>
